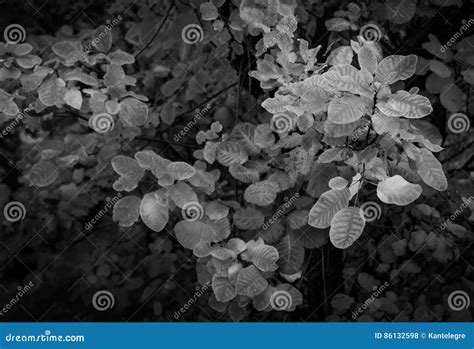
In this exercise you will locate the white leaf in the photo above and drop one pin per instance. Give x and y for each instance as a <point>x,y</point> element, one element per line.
<point>153,214</point>
<point>430,170</point>
<point>262,193</point>
<point>127,210</point>
<point>345,109</point>
<point>346,227</point>
<point>325,208</point>
<point>231,153</point>
<point>73,97</point>
<point>396,190</point>
<point>396,67</point>
<point>411,106</point>
<point>367,59</point>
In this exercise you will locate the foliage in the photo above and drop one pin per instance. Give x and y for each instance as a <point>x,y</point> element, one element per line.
<point>336,130</point>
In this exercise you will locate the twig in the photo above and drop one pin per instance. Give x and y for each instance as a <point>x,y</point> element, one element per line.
<point>158,31</point>
<point>207,100</point>
<point>158,140</point>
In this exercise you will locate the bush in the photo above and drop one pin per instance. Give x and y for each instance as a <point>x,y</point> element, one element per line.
<point>215,144</point>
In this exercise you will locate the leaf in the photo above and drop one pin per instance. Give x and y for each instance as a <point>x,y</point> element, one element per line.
<point>127,210</point>
<point>452,97</point>
<point>291,254</point>
<point>149,160</point>
<point>133,112</point>
<point>319,177</point>
<point>342,302</point>
<point>215,210</point>
<point>223,289</point>
<point>181,170</point>
<point>152,213</point>
<point>181,194</point>
<point>345,78</point>
<point>346,227</point>
<point>52,92</point>
<point>102,39</point>
<point>73,97</point>
<point>42,174</point>
<point>367,59</point>
<point>338,24</point>
<point>345,109</point>
<point>340,56</point>
<point>250,282</point>
<point>403,103</point>
<point>114,76</point>
<point>130,173</point>
<point>264,257</point>
<point>69,51</point>
<point>248,218</point>
<point>400,11</point>
<point>261,193</point>
<point>79,75</point>
<point>243,133</point>
<point>430,170</point>
<point>396,190</point>
<point>327,206</point>
<point>208,11</point>
<point>396,67</point>
<point>191,233</point>
<point>338,183</point>
<point>231,154</point>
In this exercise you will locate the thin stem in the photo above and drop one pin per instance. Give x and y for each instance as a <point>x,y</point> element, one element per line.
<point>207,100</point>
<point>158,31</point>
<point>158,140</point>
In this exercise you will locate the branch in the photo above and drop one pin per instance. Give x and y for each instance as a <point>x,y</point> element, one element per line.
<point>207,100</point>
<point>158,31</point>
<point>158,140</point>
